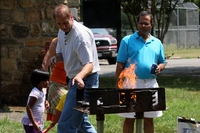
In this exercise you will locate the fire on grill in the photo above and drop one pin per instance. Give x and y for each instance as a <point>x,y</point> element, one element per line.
<point>126,99</point>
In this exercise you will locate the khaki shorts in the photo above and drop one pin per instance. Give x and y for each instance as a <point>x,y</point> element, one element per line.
<point>144,83</point>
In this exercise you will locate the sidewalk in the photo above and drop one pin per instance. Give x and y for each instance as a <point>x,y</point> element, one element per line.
<point>15,114</point>
<point>174,67</point>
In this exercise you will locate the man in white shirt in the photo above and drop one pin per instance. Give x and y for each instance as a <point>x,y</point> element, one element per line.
<point>77,48</point>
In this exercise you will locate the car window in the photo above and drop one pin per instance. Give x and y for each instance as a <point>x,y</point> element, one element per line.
<point>102,31</point>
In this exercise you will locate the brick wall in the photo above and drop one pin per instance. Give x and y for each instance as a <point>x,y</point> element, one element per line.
<point>25,27</point>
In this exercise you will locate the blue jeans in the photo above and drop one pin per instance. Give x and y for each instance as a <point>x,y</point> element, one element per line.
<point>71,120</point>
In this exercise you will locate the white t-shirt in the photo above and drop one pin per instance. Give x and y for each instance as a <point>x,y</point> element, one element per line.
<point>78,48</point>
<point>39,107</point>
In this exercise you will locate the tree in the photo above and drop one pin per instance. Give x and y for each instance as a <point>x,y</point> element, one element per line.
<point>197,2</point>
<point>160,9</point>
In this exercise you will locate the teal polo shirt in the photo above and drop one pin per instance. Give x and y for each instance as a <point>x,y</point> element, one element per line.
<point>134,50</point>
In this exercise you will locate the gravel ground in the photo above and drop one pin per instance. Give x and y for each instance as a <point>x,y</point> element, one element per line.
<point>15,114</point>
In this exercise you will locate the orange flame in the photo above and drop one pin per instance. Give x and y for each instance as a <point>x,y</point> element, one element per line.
<point>127,78</point>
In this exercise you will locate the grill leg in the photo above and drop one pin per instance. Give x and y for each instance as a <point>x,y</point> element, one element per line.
<point>100,123</point>
<point>139,117</point>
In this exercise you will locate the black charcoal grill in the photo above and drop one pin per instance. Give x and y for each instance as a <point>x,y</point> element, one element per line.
<point>103,101</point>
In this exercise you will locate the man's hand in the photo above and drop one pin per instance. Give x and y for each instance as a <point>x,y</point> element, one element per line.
<point>86,70</point>
<point>79,81</point>
<point>157,71</point>
<point>160,68</point>
<point>53,61</point>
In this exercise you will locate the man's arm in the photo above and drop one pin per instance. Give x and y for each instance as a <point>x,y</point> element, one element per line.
<point>57,58</point>
<point>86,70</point>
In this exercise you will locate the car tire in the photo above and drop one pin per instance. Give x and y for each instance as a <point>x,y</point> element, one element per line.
<point>111,61</point>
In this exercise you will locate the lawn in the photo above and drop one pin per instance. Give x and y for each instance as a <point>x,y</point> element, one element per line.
<point>182,52</point>
<point>182,99</point>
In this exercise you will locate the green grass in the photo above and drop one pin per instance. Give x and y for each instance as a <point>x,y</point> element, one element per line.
<point>182,99</point>
<point>7,126</point>
<point>182,52</point>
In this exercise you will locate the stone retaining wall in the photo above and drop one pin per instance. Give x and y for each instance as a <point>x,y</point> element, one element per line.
<point>25,27</point>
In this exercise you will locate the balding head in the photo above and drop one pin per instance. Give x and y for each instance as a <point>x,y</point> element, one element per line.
<point>61,10</point>
<point>63,17</point>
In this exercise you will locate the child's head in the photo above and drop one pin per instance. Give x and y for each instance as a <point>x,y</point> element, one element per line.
<point>38,76</point>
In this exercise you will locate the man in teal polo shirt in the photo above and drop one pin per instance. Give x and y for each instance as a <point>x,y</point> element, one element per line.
<point>143,50</point>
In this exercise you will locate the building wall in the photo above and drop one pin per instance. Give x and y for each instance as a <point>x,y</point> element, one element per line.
<point>25,27</point>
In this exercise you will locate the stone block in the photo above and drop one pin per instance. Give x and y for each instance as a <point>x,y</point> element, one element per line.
<point>13,52</point>
<point>6,75</point>
<point>25,27</point>
<point>31,53</point>
<point>34,30</point>
<point>5,15</point>
<point>49,12</point>
<point>10,89</point>
<point>17,75</point>
<point>43,17</point>
<point>4,51</point>
<point>18,16</point>
<point>20,31</point>
<point>45,27</point>
<point>8,64</point>
<point>54,28</point>
<point>73,3</point>
<point>33,42</point>
<point>34,16</point>
<point>3,30</point>
<point>8,4</point>
<point>28,3</point>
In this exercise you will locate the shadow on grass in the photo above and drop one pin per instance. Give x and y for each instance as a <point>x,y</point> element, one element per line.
<point>181,82</point>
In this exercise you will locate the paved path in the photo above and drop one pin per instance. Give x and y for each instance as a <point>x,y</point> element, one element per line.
<point>187,67</point>
<point>173,67</point>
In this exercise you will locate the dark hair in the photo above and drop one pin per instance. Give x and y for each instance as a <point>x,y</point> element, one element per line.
<point>145,13</point>
<point>39,75</point>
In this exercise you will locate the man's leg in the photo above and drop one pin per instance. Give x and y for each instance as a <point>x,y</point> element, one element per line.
<point>128,125</point>
<point>70,119</point>
<point>86,126</point>
<point>148,125</point>
<point>91,81</point>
